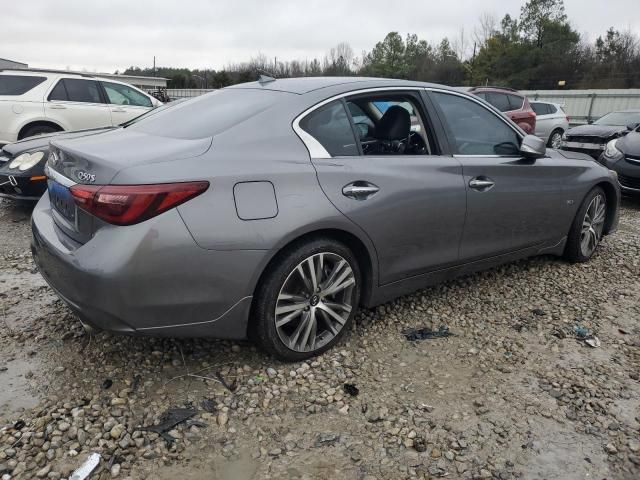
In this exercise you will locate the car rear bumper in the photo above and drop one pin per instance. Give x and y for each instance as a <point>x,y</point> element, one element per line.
<point>150,278</point>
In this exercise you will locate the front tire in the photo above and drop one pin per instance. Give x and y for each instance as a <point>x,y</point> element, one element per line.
<point>307,299</point>
<point>587,228</point>
<point>38,130</point>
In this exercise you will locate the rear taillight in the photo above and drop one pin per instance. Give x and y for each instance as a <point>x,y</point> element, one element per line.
<point>130,204</point>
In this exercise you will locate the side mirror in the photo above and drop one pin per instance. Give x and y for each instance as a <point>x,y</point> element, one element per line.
<point>533,147</point>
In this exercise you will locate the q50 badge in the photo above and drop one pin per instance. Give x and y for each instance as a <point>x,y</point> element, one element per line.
<point>85,177</point>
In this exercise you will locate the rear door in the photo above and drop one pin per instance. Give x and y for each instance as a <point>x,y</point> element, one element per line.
<point>512,202</point>
<point>77,104</point>
<point>125,102</point>
<point>410,203</point>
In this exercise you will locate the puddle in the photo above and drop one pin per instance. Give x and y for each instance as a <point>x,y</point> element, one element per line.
<point>15,389</point>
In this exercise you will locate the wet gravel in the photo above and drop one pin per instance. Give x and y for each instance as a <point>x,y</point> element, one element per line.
<point>515,392</point>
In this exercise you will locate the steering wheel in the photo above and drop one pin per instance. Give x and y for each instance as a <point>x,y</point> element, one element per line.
<point>416,144</point>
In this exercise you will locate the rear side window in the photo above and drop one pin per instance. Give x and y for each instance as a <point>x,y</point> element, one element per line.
<point>474,129</point>
<point>84,91</point>
<point>18,84</point>
<point>500,101</point>
<point>516,101</point>
<point>209,114</point>
<point>330,126</point>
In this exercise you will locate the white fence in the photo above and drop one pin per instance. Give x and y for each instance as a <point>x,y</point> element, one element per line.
<point>175,93</point>
<point>583,106</point>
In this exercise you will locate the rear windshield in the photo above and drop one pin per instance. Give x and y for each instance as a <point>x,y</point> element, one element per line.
<point>18,84</point>
<point>619,119</point>
<point>209,114</point>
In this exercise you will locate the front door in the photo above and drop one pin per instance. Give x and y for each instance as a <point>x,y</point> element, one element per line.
<point>390,180</point>
<point>512,202</point>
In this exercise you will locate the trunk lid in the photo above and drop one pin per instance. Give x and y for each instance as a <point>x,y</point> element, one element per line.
<point>96,160</point>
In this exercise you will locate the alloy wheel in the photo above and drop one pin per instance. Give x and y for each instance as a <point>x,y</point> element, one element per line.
<point>593,225</point>
<point>556,140</point>
<point>315,302</point>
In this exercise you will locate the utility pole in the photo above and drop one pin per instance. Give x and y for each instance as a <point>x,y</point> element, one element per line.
<point>154,65</point>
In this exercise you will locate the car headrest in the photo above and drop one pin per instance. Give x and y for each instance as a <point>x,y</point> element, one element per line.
<point>395,124</point>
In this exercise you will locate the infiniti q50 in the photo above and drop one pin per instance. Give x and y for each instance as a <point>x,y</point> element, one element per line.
<point>273,210</point>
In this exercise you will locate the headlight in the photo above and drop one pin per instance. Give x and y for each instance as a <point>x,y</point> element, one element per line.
<point>611,150</point>
<point>26,161</point>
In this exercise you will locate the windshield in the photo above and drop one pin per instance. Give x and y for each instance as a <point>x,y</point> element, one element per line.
<point>621,119</point>
<point>209,114</point>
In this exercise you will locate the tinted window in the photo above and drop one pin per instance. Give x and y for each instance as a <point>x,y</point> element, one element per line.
<point>515,101</point>
<point>476,130</point>
<point>209,114</point>
<point>125,95</point>
<point>58,92</point>
<point>85,91</point>
<point>499,100</point>
<point>330,125</point>
<point>552,108</point>
<point>18,84</point>
<point>540,108</point>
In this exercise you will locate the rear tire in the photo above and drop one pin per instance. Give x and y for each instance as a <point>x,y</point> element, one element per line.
<point>298,314</point>
<point>587,227</point>
<point>38,130</point>
<point>555,139</point>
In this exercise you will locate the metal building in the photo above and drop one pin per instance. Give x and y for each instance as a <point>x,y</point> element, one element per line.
<point>5,63</point>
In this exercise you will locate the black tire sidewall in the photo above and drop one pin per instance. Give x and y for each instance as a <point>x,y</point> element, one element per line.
<point>573,252</point>
<point>550,142</point>
<point>263,329</point>
<point>38,130</point>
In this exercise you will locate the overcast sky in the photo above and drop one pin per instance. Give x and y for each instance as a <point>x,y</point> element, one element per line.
<point>111,35</point>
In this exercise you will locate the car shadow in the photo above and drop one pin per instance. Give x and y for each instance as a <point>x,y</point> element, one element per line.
<point>632,202</point>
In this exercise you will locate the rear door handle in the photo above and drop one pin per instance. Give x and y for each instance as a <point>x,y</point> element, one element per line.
<point>360,190</point>
<point>481,183</point>
<point>57,107</point>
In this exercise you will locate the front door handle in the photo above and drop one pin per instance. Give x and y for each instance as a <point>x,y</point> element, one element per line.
<point>481,183</point>
<point>360,190</point>
<point>118,110</point>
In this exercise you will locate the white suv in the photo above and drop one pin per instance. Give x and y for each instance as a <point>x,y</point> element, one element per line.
<point>33,102</point>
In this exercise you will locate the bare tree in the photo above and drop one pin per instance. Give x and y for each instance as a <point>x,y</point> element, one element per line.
<point>486,28</point>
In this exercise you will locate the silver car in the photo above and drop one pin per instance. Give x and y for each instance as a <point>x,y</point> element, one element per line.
<point>273,209</point>
<point>551,122</point>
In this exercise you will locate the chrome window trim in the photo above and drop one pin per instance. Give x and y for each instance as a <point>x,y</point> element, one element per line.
<point>58,177</point>
<point>317,151</point>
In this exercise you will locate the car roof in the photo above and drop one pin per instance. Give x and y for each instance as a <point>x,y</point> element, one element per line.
<point>38,72</point>
<point>302,85</point>
<point>495,89</point>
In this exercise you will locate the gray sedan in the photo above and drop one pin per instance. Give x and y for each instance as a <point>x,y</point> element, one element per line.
<point>273,209</point>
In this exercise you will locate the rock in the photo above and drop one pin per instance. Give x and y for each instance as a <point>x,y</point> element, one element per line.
<point>419,444</point>
<point>271,372</point>
<point>115,470</point>
<point>327,438</point>
<point>222,419</point>
<point>117,431</point>
<point>43,472</point>
<point>611,449</point>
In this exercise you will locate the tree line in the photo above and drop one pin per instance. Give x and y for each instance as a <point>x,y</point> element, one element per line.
<point>539,49</point>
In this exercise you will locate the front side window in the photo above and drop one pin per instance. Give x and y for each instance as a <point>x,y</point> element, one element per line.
<point>330,126</point>
<point>18,84</point>
<point>59,93</point>
<point>475,130</point>
<point>85,91</point>
<point>124,95</point>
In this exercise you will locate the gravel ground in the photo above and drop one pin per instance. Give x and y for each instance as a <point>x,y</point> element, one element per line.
<point>513,394</point>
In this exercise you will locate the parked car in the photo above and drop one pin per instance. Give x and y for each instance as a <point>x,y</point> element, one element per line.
<point>623,155</point>
<point>510,102</point>
<point>22,163</point>
<point>263,210</point>
<point>34,102</point>
<point>551,122</point>
<point>594,137</point>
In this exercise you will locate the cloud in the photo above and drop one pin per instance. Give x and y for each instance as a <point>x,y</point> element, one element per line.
<point>115,34</point>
